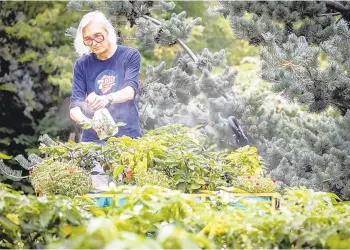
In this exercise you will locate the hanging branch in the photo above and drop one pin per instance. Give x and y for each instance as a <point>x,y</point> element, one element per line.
<point>182,44</point>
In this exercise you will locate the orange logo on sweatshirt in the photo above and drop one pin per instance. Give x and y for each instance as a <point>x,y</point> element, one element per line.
<point>106,83</point>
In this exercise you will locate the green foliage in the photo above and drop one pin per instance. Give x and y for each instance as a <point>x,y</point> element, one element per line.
<point>305,220</point>
<point>291,35</point>
<point>255,184</point>
<point>304,58</point>
<point>246,160</point>
<point>60,178</point>
<point>35,74</point>
<point>27,222</point>
<point>154,178</point>
<point>157,217</point>
<point>148,210</point>
<point>4,156</point>
<point>170,156</point>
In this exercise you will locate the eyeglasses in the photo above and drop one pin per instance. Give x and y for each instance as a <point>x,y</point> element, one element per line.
<point>99,38</point>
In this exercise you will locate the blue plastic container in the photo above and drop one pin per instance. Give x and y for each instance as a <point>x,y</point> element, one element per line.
<point>104,201</point>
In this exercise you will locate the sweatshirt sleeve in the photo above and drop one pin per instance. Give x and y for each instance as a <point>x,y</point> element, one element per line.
<point>132,70</point>
<point>78,87</point>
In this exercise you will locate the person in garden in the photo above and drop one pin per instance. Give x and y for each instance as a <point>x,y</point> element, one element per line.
<point>106,75</point>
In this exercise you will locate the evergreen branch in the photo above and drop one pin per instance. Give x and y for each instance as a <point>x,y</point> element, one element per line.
<point>182,44</point>
<point>188,50</point>
<point>331,14</point>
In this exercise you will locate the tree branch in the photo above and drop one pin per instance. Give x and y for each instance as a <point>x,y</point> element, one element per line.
<point>182,44</point>
<point>331,14</point>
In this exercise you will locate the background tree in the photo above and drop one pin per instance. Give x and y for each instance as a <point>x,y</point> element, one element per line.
<point>293,35</point>
<point>304,53</point>
<point>35,73</point>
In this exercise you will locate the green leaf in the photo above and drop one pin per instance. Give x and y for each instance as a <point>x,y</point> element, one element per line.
<point>6,141</point>
<point>8,87</point>
<point>182,186</point>
<point>113,139</point>
<point>117,171</point>
<point>190,166</point>
<point>120,124</point>
<point>5,157</point>
<point>86,126</point>
<point>201,181</point>
<point>7,224</point>
<point>195,186</point>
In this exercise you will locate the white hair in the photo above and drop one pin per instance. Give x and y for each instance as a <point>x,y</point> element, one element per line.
<point>98,17</point>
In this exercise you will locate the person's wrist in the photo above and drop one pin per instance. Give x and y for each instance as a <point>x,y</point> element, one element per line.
<point>109,98</point>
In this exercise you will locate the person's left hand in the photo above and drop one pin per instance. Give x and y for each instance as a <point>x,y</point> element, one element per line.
<point>99,102</point>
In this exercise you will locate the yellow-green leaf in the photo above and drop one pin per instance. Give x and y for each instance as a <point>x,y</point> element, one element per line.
<point>8,87</point>
<point>117,171</point>
<point>5,157</point>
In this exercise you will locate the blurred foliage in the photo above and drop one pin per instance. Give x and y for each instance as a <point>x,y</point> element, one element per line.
<point>214,33</point>
<point>27,222</point>
<point>35,75</point>
<point>153,217</point>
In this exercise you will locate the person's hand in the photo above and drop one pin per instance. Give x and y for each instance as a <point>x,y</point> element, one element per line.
<point>91,98</point>
<point>97,102</point>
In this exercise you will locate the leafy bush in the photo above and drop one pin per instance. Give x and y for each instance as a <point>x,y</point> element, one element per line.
<point>154,178</point>
<point>27,222</point>
<point>306,219</point>
<point>155,217</point>
<point>174,156</point>
<point>255,184</point>
<point>61,178</point>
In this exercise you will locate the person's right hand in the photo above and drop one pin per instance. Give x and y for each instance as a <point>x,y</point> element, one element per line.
<point>91,98</point>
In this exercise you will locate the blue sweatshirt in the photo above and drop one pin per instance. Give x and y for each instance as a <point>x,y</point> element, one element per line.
<point>103,77</point>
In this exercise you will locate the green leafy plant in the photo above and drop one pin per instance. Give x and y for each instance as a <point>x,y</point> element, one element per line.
<point>255,184</point>
<point>245,161</point>
<point>153,217</point>
<point>61,178</point>
<point>27,222</point>
<point>154,178</point>
<point>177,153</point>
<point>306,219</point>
<point>104,125</point>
